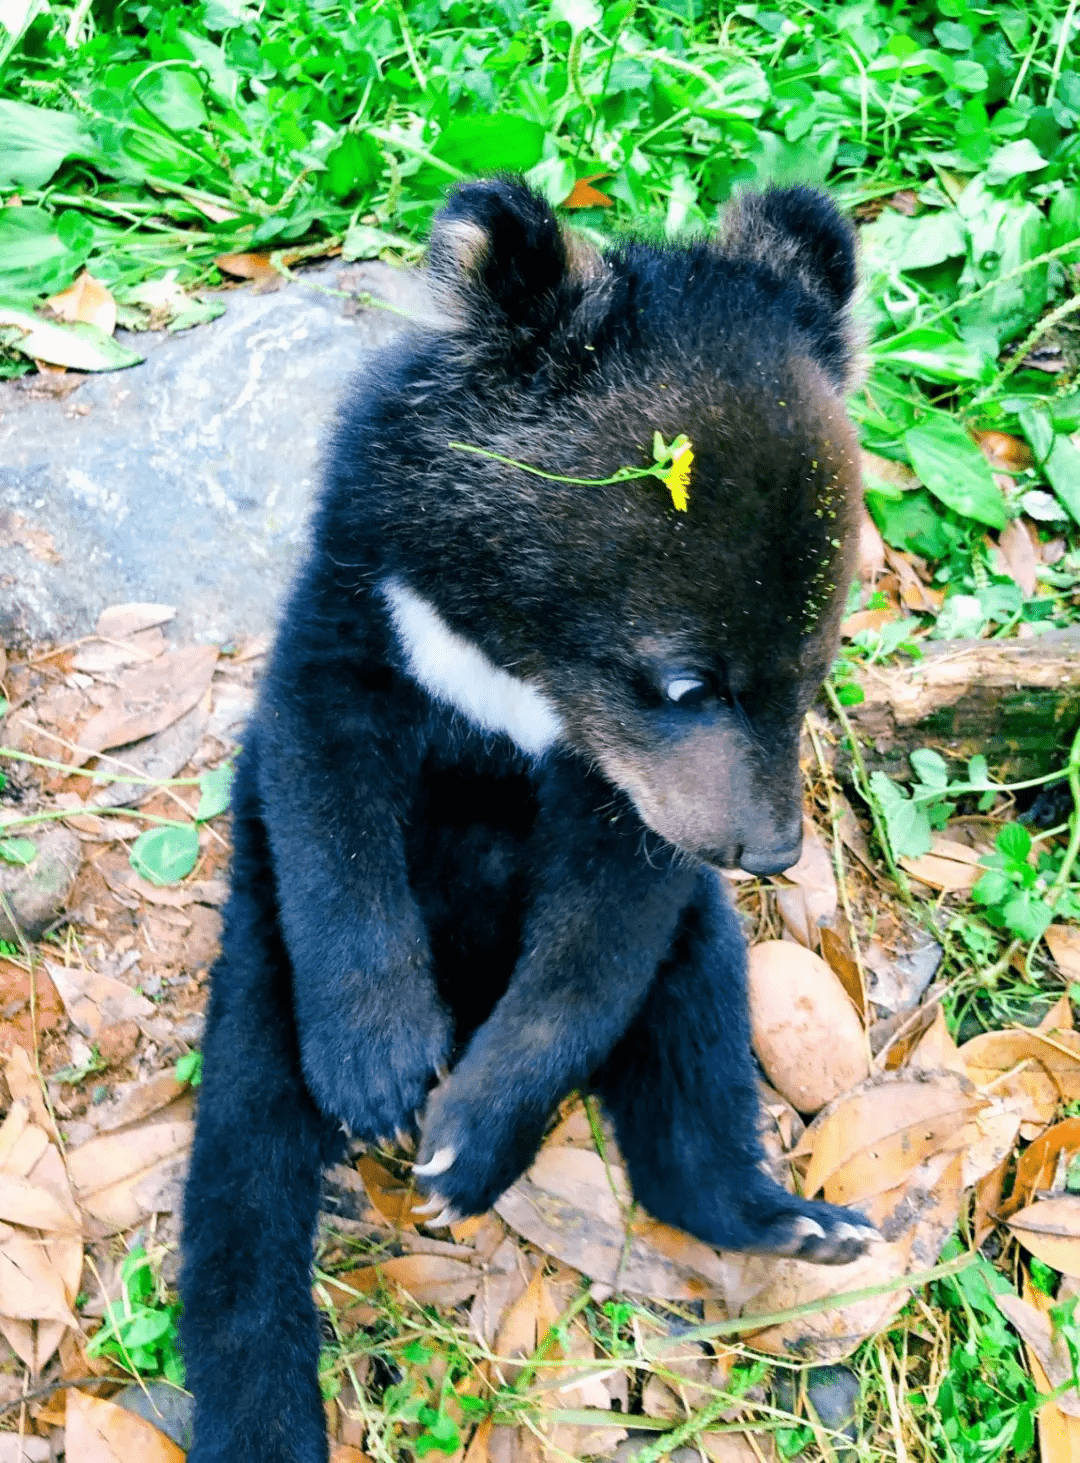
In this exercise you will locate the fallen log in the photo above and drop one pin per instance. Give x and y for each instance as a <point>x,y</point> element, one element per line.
<point>1015,701</point>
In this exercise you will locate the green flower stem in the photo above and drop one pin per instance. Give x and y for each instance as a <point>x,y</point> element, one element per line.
<point>1072,771</point>
<point>98,774</point>
<point>52,814</point>
<point>623,475</point>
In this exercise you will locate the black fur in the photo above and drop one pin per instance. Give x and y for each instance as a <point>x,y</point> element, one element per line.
<point>410,891</point>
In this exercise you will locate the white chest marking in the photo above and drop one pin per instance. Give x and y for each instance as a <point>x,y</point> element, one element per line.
<point>459,674</point>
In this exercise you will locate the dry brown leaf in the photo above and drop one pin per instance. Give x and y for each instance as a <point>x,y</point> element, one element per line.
<point>1039,1069</point>
<point>107,1171</point>
<point>987,1210</point>
<point>132,1102</point>
<point>342,1453</point>
<point>428,1279</point>
<point>584,195</point>
<point>477,1451</point>
<point>519,1333</point>
<point>101,1432</point>
<point>393,1199</point>
<point>514,1445</point>
<point>935,1050</point>
<point>1018,556</point>
<point>565,1206</point>
<point>104,657</point>
<point>1033,1324</point>
<point>24,1084</point>
<point>868,620</point>
<point>871,1140</point>
<point>504,1280</point>
<point>31,1289</point>
<point>1037,1166</point>
<point>86,301</point>
<point>871,548</point>
<point>119,621</point>
<point>805,1031</point>
<point>737,1447</point>
<point>837,954</point>
<point>948,865</point>
<point>148,699</point>
<point>14,1449</point>
<point>1050,1230</point>
<point>814,874</point>
<point>94,1001</point>
<point>1063,942</point>
<point>28,1204</point>
<point>1059,1016</point>
<point>1004,452</point>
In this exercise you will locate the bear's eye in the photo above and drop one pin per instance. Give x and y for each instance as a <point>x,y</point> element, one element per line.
<point>688,691</point>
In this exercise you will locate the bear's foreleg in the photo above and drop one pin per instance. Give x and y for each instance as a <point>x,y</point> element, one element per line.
<point>249,1329</point>
<point>604,909</point>
<point>681,1088</point>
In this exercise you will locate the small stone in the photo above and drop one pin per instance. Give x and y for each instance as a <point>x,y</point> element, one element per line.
<point>164,1406</point>
<point>35,893</point>
<point>117,1043</point>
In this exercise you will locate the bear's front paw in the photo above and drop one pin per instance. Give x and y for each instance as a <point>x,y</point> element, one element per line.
<point>473,1145</point>
<point>821,1233</point>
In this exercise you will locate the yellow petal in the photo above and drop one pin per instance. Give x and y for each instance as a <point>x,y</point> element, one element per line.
<point>677,478</point>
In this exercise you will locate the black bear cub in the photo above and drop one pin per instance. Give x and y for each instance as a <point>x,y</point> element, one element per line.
<point>514,723</point>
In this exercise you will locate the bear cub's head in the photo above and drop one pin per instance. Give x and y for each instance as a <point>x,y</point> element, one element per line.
<point>677,650</point>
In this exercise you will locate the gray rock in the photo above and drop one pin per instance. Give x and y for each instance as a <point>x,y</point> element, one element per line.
<point>187,479</point>
<point>833,1393</point>
<point>168,1408</point>
<point>35,893</point>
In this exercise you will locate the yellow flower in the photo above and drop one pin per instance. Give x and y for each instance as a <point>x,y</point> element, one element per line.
<point>677,477</point>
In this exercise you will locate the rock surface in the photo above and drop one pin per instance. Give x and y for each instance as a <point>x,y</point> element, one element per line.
<point>187,479</point>
<point>35,893</point>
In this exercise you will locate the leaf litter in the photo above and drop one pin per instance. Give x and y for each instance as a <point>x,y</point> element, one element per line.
<point>567,1319</point>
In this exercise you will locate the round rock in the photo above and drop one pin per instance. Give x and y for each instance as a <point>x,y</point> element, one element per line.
<point>35,893</point>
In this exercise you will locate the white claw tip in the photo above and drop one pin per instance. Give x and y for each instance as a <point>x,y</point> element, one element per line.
<point>438,1163</point>
<point>431,1206</point>
<point>806,1227</point>
<point>448,1216</point>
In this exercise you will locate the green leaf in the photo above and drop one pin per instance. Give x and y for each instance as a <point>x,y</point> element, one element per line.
<point>906,823</point>
<point>1013,159</point>
<point>489,144</point>
<point>174,95</point>
<point>18,850</point>
<point>1014,842</point>
<point>36,140</point>
<point>1027,915</point>
<point>961,617</point>
<point>1062,469</point>
<point>214,792</point>
<point>937,355</point>
<point>930,768</point>
<point>189,1068</point>
<point>35,258</point>
<point>952,467</point>
<point>166,855</point>
<point>79,346</point>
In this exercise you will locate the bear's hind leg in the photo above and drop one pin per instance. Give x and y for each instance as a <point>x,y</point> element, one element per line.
<point>249,1329</point>
<point>681,1089</point>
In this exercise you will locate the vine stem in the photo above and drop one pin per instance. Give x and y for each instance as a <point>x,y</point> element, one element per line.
<point>862,783</point>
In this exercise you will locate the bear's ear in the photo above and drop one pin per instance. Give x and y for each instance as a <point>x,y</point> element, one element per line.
<point>497,244</point>
<point>796,231</point>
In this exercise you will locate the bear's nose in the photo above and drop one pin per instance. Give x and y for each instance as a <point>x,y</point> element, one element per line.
<point>771,861</point>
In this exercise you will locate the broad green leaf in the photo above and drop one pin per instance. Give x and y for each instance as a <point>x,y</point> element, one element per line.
<point>948,462</point>
<point>1062,468</point>
<point>167,854</point>
<point>930,768</point>
<point>1027,915</point>
<point>35,256</point>
<point>79,346</point>
<point>906,823</point>
<point>978,772</point>
<point>490,144</point>
<point>961,617</point>
<point>174,95</point>
<point>214,790</point>
<point>1014,841</point>
<point>932,239</point>
<point>937,355</point>
<point>18,850</point>
<point>1013,159</point>
<point>34,141</point>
